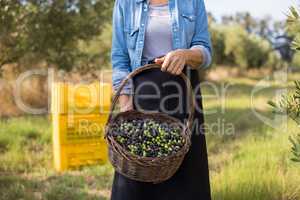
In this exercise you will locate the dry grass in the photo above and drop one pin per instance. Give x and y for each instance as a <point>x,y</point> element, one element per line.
<point>34,91</point>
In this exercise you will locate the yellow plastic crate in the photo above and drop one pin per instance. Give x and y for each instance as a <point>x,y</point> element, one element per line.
<point>70,157</point>
<point>78,129</point>
<point>91,98</point>
<point>78,139</point>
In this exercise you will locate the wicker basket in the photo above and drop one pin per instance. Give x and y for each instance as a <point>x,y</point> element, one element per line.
<point>145,169</point>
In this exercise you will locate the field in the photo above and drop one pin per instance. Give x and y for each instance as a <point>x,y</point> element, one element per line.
<point>249,160</point>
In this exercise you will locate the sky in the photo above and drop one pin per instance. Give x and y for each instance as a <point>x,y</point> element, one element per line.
<point>258,8</point>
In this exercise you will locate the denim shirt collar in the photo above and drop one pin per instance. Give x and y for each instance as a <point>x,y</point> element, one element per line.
<point>139,1</point>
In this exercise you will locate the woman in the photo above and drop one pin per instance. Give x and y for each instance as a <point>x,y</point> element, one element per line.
<point>173,34</point>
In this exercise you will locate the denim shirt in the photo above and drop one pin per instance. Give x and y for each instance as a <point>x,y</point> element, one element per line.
<point>189,29</point>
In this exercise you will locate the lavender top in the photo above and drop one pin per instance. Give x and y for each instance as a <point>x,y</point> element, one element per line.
<point>158,35</point>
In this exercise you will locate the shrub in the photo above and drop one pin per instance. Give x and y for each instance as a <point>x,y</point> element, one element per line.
<point>235,37</point>
<point>233,45</point>
<point>218,44</point>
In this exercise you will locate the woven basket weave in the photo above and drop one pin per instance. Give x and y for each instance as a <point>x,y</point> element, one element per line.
<point>145,169</point>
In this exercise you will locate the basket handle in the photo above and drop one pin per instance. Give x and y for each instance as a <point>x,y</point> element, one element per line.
<point>155,66</point>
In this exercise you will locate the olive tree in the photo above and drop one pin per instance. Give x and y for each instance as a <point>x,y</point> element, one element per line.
<point>290,104</point>
<point>50,30</point>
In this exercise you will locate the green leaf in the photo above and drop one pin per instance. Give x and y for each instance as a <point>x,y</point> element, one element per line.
<point>295,160</point>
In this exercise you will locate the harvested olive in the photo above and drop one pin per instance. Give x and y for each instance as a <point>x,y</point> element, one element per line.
<point>148,137</point>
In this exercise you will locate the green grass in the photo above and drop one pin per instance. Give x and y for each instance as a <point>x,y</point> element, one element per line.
<point>254,162</point>
<point>26,170</point>
<point>250,163</point>
<point>258,167</point>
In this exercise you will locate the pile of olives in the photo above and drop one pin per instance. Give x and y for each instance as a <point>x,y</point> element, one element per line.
<point>147,137</point>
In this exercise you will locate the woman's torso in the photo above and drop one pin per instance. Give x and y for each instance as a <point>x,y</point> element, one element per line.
<point>183,23</point>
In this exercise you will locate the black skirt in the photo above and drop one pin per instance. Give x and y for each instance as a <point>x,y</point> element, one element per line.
<point>159,91</point>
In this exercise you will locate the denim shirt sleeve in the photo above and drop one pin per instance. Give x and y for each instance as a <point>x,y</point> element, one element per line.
<point>119,52</point>
<point>201,39</point>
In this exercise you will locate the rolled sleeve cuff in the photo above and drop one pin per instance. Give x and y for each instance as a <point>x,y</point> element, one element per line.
<point>127,90</point>
<point>207,58</point>
<point>118,77</point>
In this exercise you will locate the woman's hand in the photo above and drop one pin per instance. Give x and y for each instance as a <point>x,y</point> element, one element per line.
<point>126,103</point>
<point>173,62</point>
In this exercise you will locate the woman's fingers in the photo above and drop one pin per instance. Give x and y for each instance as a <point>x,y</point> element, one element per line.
<point>171,66</point>
<point>159,61</point>
<point>180,68</point>
<point>174,62</point>
<point>175,65</point>
<point>166,63</point>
